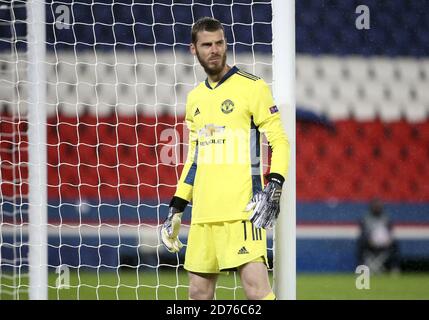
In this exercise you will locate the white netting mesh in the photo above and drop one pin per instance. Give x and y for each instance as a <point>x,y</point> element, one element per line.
<point>117,79</point>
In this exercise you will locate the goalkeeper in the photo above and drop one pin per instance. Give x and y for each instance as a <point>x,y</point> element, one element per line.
<point>232,209</point>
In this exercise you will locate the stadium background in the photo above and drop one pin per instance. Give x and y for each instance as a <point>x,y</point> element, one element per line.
<point>119,77</point>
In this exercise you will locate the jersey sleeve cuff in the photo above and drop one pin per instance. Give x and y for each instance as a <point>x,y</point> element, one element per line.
<point>179,203</point>
<point>276,178</point>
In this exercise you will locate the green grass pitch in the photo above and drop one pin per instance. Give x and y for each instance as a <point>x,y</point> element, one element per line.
<point>130,285</point>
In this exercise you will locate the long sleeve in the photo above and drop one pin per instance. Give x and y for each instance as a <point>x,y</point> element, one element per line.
<point>266,117</point>
<point>186,181</point>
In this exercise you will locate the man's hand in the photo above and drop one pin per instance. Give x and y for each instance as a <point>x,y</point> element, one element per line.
<point>170,231</point>
<point>265,205</point>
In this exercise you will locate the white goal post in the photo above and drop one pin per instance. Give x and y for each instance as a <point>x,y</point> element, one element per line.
<point>284,95</point>
<point>37,153</point>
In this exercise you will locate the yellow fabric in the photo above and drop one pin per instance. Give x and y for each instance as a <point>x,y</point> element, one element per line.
<point>213,247</point>
<point>213,84</point>
<point>259,259</point>
<point>217,175</point>
<point>270,296</point>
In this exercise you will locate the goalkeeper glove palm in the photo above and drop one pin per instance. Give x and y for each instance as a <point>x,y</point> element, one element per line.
<point>170,231</point>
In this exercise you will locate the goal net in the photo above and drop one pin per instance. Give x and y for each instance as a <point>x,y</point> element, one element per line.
<point>117,77</point>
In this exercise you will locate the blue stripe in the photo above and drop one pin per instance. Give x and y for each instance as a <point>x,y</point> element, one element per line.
<point>190,177</point>
<point>352,211</point>
<point>255,157</point>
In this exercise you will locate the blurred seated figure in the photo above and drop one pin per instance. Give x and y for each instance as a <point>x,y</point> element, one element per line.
<point>377,248</point>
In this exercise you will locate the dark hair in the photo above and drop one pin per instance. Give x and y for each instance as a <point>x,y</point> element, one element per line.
<point>205,24</point>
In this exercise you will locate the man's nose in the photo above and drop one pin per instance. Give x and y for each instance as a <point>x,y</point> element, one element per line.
<point>214,49</point>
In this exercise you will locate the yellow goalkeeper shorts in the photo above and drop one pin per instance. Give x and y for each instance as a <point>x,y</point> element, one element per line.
<point>216,247</point>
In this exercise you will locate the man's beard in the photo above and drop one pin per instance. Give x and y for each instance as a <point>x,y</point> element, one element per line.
<point>212,71</point>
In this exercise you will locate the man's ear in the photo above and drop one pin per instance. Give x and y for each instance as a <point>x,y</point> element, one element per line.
<point>192,49</point>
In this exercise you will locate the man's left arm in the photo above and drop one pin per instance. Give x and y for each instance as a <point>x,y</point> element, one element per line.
<point>279,144</point>
<point>266,116</point>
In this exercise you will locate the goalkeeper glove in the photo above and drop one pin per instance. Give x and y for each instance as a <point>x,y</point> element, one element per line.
<point>265,205</point>
<point>170,231</point>
<point>171,226</point>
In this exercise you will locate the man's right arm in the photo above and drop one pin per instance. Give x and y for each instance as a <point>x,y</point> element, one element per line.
<point>183,194</point>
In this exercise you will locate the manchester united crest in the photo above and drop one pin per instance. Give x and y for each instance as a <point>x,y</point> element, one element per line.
<point>227,106</point>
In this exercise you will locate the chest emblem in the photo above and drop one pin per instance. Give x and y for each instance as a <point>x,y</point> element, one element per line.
<point>227,106</point>
<point>210,129</point>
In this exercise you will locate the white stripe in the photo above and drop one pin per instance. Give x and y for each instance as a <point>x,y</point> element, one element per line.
<point>148,233</point>
<point>411,232</point>
<point>327,232</point>
<point>352,232</point>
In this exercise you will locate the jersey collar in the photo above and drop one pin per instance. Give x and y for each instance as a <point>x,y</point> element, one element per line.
<point>233,70</point>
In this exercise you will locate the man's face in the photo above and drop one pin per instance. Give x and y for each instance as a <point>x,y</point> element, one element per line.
<point>210,50</point>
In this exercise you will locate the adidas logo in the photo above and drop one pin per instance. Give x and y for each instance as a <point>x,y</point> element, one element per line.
<point>243,250</point>
<point>197,112</point>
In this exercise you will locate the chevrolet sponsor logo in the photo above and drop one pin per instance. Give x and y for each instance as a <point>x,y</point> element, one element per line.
<point>210,129</point>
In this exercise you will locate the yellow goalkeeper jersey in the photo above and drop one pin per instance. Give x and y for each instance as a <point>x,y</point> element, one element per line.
<point>223,168</point>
